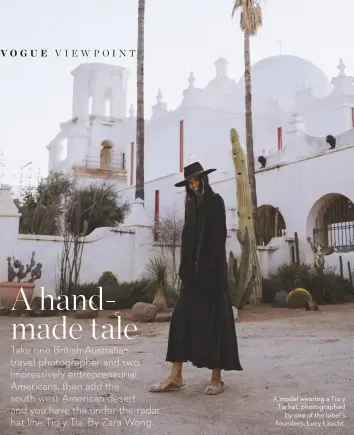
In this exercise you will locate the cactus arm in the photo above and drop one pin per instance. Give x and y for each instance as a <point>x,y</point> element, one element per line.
<point>250,282</point>
<point>242,276</point>
<point>250,285</point>
<point>239,238</point>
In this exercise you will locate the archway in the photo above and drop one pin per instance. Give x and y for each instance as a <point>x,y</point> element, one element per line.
<point>270,224</point>
<point>106,154</point>
<point>331,222</point>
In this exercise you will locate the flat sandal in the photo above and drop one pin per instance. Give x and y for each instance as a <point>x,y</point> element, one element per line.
<point>211,390</point>
<point>173,386</point>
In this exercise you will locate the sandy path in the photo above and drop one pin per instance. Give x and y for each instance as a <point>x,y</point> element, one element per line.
<point>309,355</point>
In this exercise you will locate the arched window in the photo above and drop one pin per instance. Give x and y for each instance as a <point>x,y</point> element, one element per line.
<point>107,107</point>
<point>106,154</point>
<point>270,223</point>
<point>90,106</point>
<point>108,102</point>
<point>64,149</point>
<point>333,217</point>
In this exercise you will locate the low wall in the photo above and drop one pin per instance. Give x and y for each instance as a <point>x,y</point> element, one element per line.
<point>125,250</point>
<point>125,253</point>
<point>105,249</point>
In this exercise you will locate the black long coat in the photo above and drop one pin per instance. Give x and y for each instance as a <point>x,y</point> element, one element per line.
<point>202,328</point>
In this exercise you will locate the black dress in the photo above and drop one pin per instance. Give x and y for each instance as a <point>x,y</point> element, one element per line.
<point>202,328</point>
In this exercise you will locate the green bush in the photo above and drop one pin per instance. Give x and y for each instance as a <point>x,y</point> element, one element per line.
<point>131,292</point>
<point>270,287</point>
<point>327,288</point>
<point>87,289</point>
<point>331,288</point>
<point>126,294</point>
<point>59,195</point>
<point>110,290</point>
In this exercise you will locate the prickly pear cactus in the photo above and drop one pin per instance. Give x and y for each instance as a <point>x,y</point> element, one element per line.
<point>298,298</point>
<point>250,281</point>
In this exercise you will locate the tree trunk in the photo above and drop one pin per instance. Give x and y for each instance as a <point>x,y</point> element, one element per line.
<point>140,122</point>
<point>249,133</point>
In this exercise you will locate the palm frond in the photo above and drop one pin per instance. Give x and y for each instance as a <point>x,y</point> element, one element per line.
<point>251,18</point>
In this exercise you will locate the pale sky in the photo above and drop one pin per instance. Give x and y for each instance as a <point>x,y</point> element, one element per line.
<point>180,36</point>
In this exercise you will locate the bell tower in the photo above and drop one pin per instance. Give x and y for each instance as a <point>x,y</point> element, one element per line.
<point>92,143</point>
<point>95,145</point>
<point>99,90</point>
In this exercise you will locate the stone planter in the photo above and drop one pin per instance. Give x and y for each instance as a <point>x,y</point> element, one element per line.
<point>9,292</point>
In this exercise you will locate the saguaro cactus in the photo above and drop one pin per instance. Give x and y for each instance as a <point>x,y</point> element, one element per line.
<point>250,282</point>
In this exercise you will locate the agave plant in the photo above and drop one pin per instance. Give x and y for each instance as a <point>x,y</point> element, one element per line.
<point>158,287</point>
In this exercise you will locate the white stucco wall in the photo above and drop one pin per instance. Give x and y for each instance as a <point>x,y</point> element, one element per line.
<point>297,179</point>
<point>293,85</point>
<point>124,251</point>
<point>296,187</point>
<point>169,203</point>
<point>104,250</point>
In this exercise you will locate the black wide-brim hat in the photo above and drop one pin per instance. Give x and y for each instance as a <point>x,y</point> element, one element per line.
<point>194,170</point>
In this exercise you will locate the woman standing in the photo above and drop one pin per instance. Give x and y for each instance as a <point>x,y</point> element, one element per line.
<point>202,328</point>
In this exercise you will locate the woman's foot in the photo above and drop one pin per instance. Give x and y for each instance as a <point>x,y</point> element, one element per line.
<point>216,385</point>
<point>216,378</point>
<point>172,383</point>
<point>215,388</point>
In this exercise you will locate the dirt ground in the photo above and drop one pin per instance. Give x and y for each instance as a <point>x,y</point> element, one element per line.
<point>291,358</point>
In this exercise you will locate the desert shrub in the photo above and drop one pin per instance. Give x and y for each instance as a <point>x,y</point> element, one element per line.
<point>58,195</point>
<point>126,294</point>
<point>132,292</point>
<point>291,276</point>
<point>87,289</point>
<point>327,288</point>
<point>110,291</point>
<point>330,288</point>
<point>158,289</point>
<point>270,287</point>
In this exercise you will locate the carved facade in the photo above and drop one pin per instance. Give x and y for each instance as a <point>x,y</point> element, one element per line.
<point>295,108</point>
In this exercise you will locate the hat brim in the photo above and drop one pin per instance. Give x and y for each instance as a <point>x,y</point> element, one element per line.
<point>196,174</point>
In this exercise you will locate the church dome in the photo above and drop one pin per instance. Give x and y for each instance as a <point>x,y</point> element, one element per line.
<point>280,78</point>
<point>221,85</point>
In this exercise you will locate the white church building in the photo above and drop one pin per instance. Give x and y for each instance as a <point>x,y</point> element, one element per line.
<point>305,187</point>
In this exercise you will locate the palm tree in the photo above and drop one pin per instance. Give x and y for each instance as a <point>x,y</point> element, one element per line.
<point>250,22</point>
<point>140,122</point>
